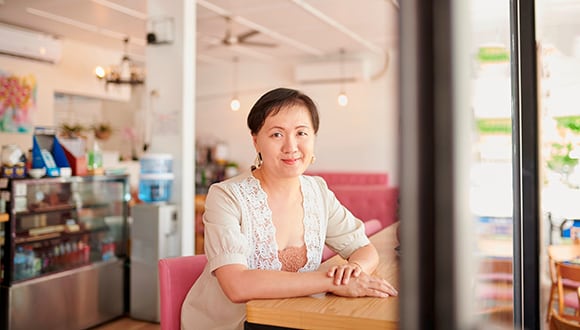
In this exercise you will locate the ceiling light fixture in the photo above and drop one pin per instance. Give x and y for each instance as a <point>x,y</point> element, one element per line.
<point>235,102</point>
<point>124,73</point>
<point>342,98</point>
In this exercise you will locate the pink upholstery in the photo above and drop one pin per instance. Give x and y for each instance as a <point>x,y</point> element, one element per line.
<point>371,227</point>
<point>489,291</point>
<point>366,195</point>
<point>352,178</point>
<point>571,300</point>
<point>327,253</point>
<point>176,276</point>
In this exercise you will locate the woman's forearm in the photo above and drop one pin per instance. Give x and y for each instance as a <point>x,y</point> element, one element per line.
<point>241,285</point>
<point>366,257</point>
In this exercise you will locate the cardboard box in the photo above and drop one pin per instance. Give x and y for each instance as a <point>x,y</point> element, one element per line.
<point>47,152</point>
<point>74,150</point>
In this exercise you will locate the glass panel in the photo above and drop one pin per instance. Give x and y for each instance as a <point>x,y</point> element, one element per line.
<point>558,35</point>
<point>64,225</point>
<point>491,172</point>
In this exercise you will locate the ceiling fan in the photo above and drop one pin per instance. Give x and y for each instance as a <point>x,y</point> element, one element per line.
<point>231,39</point>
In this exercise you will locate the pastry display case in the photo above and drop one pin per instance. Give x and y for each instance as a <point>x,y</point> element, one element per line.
<point>64,250</point>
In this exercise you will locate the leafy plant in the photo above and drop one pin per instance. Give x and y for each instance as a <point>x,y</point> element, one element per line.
<point>494,126</point>
<point>570,122</point>
<point>102,130</point>
<point>560,160</point>
<point>71,130</point>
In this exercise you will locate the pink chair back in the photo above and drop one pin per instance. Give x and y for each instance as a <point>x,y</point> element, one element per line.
<point>176,276</point>
<point>371,227</point>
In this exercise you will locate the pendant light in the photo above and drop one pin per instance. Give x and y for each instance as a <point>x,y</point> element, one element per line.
<point>235,102</point>
<point>342,98</point>
<point>124,73</point>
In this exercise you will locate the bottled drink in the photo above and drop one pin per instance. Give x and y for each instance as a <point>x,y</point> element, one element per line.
<point>95,158</point>
<point>19,263</point>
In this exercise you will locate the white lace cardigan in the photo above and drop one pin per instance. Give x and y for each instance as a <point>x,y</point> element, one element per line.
<point>238,230</point>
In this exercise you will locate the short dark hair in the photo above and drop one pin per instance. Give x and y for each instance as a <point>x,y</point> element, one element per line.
<point>273,101</point>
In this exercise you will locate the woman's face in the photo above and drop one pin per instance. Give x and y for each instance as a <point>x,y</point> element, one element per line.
<point>286,142</point>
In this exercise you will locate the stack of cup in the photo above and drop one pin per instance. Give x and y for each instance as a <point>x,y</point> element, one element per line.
<point>156,178</point>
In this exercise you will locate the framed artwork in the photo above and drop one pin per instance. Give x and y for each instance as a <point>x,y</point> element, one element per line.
<point>17,102</point>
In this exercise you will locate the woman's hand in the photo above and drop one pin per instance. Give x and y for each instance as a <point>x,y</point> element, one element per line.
<point>342,273</point>
<point>365,285</point>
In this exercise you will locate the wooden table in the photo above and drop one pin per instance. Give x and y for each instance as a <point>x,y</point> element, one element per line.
<point>333,312</point>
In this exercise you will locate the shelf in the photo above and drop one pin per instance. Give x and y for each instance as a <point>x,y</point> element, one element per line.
<point>63,234</point>
<point>97,205</point>
<point>38,238</point>
<point>47,209</point>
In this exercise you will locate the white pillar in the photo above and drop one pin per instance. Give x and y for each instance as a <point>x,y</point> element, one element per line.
<point>171,105</point>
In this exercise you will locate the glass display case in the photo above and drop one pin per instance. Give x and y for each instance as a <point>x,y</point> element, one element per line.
<point>64,235</point>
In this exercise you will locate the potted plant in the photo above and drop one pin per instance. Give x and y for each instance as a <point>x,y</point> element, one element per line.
<point>102,130</point>
<point>71,131</point>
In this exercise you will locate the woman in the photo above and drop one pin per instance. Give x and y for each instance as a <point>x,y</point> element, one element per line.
<point>265,229</point>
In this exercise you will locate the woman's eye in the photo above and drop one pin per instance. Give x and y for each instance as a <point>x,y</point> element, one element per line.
<point>277,135</point>
<point>302,133</point>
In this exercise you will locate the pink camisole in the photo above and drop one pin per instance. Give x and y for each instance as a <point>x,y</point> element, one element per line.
<point>293,258</point>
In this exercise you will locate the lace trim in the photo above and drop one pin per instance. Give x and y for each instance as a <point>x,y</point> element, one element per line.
<point>258,229</point>
<point>314,232</point>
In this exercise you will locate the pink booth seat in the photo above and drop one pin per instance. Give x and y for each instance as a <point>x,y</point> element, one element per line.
<point>371,227</point>
<point>176,276</point>
<point>370,202</point>
<point>366,194</point>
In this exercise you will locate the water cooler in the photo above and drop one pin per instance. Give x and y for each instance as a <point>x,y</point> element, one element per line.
<point>154,235</point>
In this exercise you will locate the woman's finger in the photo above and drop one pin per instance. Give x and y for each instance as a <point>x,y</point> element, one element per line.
<point>386,287</point>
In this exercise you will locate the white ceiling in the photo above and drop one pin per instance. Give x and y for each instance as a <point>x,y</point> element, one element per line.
<point>302,30</point>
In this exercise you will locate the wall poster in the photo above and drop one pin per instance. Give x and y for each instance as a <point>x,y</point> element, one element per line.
<point>17,102</point>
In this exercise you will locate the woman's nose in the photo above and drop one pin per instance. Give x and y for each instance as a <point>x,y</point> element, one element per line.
<point>289,144</point>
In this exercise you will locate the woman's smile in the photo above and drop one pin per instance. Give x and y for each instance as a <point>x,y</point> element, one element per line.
<point>290,161</point>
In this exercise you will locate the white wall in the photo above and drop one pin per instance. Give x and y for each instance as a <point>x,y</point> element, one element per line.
<point>125,117</point>
<point>361,137</point>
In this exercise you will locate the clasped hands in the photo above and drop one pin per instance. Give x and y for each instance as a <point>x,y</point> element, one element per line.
<point>351,281</point>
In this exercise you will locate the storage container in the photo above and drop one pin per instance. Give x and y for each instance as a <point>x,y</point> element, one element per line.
<point>155,187</point>
<point>156,163</point>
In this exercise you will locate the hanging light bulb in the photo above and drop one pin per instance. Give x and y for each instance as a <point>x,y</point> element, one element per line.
<point>100,72</point>
<point>235,102</point>
<point>342,98</point>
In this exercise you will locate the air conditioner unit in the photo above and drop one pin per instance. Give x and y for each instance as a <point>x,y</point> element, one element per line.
<point>31,45</point>
<point>330,72</point>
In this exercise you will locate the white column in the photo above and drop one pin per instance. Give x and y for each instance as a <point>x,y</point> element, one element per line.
<point>171,105</point>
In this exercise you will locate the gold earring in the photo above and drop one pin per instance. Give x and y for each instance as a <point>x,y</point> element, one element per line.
<point>258,162</point>
<point>313,160</point>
